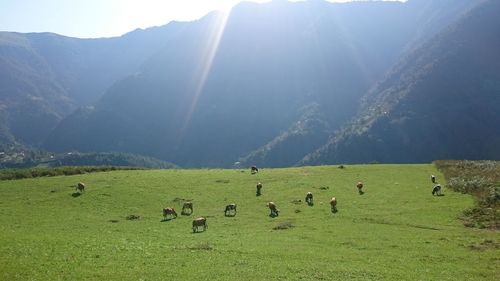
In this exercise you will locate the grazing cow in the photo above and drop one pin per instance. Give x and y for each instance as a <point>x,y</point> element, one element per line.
<point>309,198</point>
<point>187,206</point>
<point>333,204</point>
<point>360,187</point>
<point>199,222</point>
<point>259,187</point>
<point>229,208</point>
<point>80,187</point>
<point>254,169</point>
<point>274,210</point>
<point>433,178</point>
<point>436,190</point>
<point>169,212</point>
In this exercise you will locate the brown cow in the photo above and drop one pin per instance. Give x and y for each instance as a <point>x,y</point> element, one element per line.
<point>333,204</point>
<point>199,222</point>
<point>187,206</point>
<point>80,187</point>
<point>169,212</point>
<point>259,188</point>
<point>274,210</point>
<point>360,187</point>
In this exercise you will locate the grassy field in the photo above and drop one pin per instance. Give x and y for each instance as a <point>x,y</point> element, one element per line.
<point>396,231</point>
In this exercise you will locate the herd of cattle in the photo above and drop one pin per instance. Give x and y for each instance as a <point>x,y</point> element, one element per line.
<point>230,210</point>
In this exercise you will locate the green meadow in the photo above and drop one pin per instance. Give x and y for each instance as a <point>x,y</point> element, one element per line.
<point>396,230</point>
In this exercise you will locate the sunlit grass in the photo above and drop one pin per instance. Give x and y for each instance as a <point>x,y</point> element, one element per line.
<point>396,231</point>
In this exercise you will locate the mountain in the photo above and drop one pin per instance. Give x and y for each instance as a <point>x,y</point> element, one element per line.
<point>308,133</point>
<point>238,88</point>
<point>44,77</point>
<point>271,84</point>
<point>439,102</point>
<point>28,91</point>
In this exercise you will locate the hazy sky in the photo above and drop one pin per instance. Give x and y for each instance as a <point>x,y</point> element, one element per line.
<point>102,18</point>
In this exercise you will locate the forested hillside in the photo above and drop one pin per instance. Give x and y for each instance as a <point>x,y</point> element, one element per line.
<point>440,102</point>
<point>44,76</point>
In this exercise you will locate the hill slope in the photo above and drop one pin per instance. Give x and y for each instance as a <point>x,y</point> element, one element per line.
<point>44,76</point>
<point>224,89</point>
<point>440,102</point>
<point>396,231</point>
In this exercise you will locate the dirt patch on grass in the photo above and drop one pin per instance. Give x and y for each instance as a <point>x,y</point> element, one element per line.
<point>283,225</point>
<point>178,199</point>
<point>202,247</point>
<point>381,221</point>
<point>222,181</point>
<point>132,217</point>
<point>324,187</point>
<point>487,244</point>
<point>423,227</point>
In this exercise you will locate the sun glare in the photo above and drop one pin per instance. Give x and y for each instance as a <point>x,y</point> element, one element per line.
<point>211,41</point>
<point>226,6</point>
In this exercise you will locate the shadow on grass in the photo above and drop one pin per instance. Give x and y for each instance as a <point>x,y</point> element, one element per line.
<point>166,219</point>
<point>76,194</point>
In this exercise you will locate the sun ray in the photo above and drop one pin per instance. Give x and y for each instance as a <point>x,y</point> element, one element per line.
<point>200,76</point>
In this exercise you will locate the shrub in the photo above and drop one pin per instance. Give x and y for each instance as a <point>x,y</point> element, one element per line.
<point>16,174</point>
<point>480,179</point>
